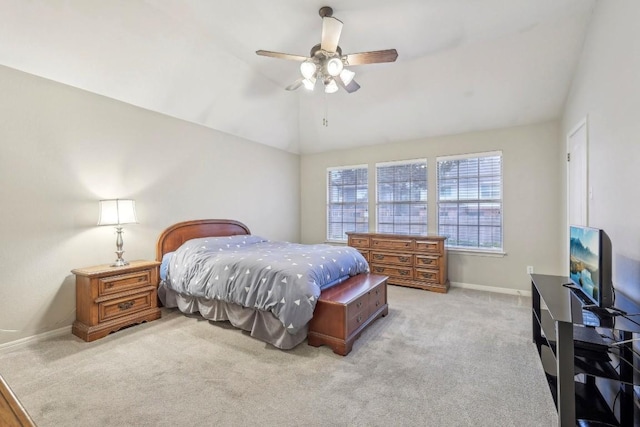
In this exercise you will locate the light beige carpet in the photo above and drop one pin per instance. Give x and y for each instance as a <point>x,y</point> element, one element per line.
<point>458,359</point>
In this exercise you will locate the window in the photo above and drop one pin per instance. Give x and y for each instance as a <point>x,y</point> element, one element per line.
<point>402,197</point>
<point>470,200</point>
<point>347,201</point>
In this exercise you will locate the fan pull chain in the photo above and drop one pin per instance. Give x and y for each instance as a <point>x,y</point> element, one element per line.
<point>325,119</point>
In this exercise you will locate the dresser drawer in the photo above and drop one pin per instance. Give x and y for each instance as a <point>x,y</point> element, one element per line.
<point>427,261</point>
<point>377,298</point>
<point>394,244</point>
<point>118,307</point>
<point>429,246</point>
<point>365,254</point>
<point>430,276</point>
<point>357,313</point>
<point>387,258</point>
<point>359,242</point>
<point>125,282</point>
<point>392,271</point>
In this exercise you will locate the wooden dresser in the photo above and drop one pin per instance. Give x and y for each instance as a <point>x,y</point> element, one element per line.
<point>110,298</point>
<point>345,310</point>
<point>409,260</point>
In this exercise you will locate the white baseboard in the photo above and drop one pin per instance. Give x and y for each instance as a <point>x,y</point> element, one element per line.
<point>517,292</point>
<point>39,337</point>
<point>67,329</point>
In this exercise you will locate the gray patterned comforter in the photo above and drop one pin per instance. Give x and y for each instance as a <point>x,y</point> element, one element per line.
<point>281,277</point>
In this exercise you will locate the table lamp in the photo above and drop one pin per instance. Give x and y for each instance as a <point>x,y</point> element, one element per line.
<point>117,212</point>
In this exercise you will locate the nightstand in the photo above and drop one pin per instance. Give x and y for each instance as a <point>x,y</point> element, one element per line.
<point>110,298</point>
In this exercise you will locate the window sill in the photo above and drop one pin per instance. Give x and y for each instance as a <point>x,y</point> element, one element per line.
<point>477,252</point>
<point>336,242</point>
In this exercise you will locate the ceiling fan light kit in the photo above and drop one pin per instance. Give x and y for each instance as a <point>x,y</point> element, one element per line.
<point>326,62</point>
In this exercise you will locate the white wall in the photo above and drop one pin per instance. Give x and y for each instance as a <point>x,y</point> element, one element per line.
<point>532,165</point>
<point>63,149</point>
<point>606,89</point>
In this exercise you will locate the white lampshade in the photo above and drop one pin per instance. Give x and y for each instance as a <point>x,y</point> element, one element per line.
<point>334,66</point>
<point>309,83</point>
<point>308,69</point>
<point>330,86</point>
<point>346,76</point>
<point>117,211</point>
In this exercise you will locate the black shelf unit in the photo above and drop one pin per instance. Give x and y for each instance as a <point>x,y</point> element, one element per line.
<point>574,370</point>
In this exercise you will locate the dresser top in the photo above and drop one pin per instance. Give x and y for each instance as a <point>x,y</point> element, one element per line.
<point>98,270</point>
<point>397,236</point>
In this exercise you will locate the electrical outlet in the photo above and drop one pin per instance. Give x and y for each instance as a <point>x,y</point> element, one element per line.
<point>529,269</point>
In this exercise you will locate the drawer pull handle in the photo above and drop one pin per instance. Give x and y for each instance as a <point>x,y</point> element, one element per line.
<point>378,256</point>
<point>403,258</point>
<point>379,269</point>
<point>427,275</point>
<point>404,272</point>
<point>108,285</point>
<point>359,304</point>
<point>359,319</point>
<point>126,305</point>
<point>141,279</point>
<point>377,303</point>
<point>427,261</point>
<point>377,291</point>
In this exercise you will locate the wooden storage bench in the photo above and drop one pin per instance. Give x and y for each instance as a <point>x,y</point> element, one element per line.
<point>345,310</point>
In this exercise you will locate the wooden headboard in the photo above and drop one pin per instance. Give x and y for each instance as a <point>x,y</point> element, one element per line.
<point>177,234</point>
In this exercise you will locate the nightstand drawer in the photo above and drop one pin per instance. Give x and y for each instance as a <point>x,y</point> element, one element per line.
<point>125,282</point>
<point>112,309</point>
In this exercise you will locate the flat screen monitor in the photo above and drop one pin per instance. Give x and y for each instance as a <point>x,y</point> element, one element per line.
<point>590,264</point>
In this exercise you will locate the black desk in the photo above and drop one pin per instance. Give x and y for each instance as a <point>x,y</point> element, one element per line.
<point>553,333</point>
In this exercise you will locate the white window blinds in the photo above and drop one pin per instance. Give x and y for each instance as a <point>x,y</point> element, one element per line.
<point>470,200</point>
<point>402,197</point>
<point>347,201</point>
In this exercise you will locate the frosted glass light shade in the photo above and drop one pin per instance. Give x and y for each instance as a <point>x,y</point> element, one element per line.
<point>309,83</point>
<point>117,211</point>
<point>346,76</point>
<point>334,66</point>
<point>307,69</point>
<point>330,86</point>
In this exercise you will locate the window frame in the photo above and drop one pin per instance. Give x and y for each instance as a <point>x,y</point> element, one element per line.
<point>329,203</point>
<point>421,161</point>
<point>473,249</point>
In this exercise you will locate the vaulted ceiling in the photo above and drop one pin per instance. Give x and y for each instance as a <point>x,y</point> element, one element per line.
<point>463,65</point>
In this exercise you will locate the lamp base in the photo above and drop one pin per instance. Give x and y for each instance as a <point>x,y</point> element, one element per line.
<point>119,251</point>
<point>119,263</point>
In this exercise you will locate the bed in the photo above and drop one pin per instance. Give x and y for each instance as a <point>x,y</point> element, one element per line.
<point>216,268</point>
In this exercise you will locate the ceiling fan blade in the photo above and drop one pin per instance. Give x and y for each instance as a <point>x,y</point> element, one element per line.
<point>281,55</point>
<point>373,57</point>
<point>331,29</point>
<point>295,85</point>
<point>350,88</point>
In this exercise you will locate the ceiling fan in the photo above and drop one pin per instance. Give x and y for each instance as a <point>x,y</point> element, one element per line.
<point>326,62</point>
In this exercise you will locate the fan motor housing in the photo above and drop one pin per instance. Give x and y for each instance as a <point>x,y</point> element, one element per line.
<point>317,48</point>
